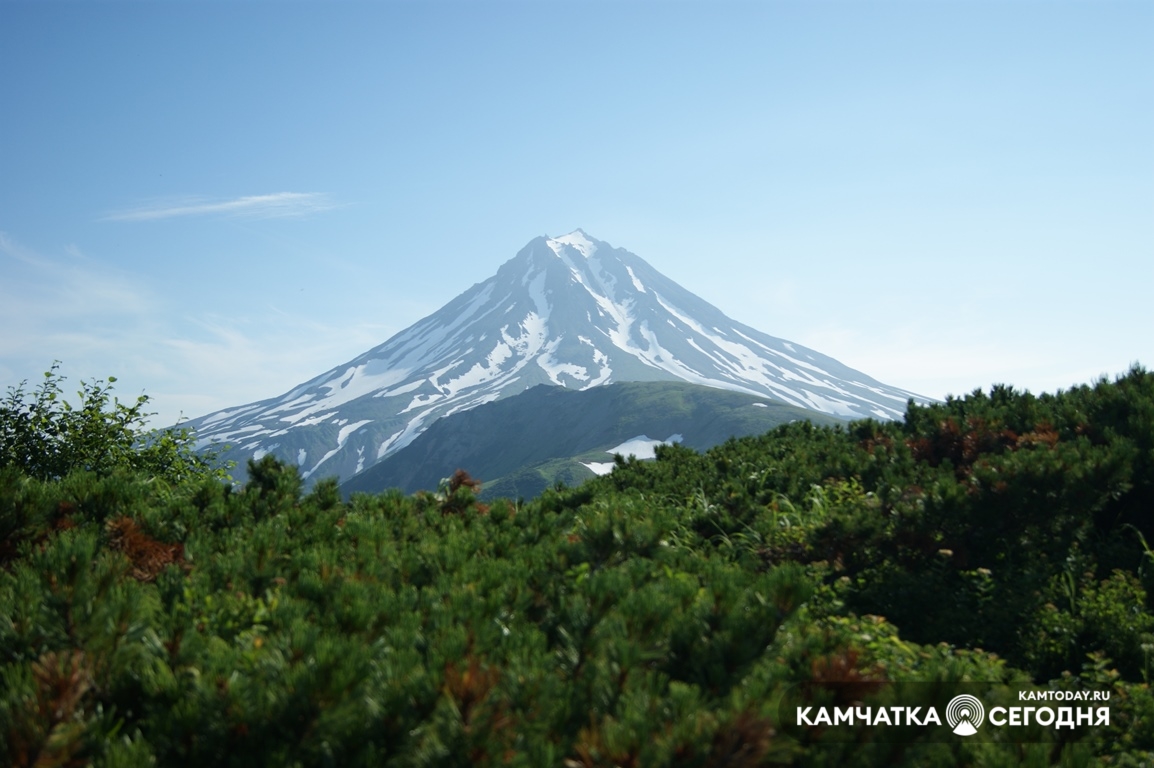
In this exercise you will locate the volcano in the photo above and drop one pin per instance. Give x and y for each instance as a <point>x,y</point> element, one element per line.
<point>569,311</point>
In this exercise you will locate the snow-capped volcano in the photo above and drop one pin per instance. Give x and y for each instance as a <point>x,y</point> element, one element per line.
<point>571,311</point>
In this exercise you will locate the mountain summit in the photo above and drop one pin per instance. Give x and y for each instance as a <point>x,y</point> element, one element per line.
<point>571,311</point>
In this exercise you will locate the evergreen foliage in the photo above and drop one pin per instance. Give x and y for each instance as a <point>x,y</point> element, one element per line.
<point>656,616</point>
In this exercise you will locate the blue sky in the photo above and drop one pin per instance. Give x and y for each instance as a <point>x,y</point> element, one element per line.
<point>216,201</point>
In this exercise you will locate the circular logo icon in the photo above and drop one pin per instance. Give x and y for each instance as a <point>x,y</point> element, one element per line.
<point>965,714</point>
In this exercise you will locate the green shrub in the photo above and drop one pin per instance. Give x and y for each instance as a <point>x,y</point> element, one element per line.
<point>46,437</point>
<point>656,616</point>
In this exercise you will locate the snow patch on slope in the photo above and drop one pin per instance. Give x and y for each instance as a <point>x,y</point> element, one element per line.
<point>555,369</point>
<point>342,438</point>
<point>641,447</point>
<point>636,283</point>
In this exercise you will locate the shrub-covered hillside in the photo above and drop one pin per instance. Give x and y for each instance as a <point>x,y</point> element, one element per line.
<point>151,614</point>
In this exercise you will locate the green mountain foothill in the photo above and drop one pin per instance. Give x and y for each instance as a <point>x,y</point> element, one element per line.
<point>814,595</point>
<point>522,445</point>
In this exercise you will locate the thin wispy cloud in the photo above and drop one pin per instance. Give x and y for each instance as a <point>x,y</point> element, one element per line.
<point>101,321</point>
<point>96,318</point>
<point>278,205</point>
<point>43,290</point>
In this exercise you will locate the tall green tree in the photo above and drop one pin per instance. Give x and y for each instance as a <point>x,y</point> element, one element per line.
<point>46,437</point>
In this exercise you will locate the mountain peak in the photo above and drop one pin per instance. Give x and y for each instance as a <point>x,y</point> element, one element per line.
<point>577,240</point>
